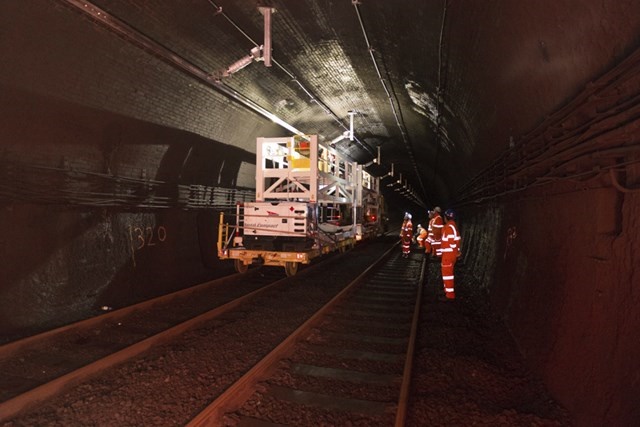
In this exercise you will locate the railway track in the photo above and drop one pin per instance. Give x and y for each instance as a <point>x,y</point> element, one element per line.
<point>44,365</point>
<point>349,364</point>
<point>86,369</point>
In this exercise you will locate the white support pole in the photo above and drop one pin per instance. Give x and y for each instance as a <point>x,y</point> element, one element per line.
<point>266,53</point>
<point>351,114</point>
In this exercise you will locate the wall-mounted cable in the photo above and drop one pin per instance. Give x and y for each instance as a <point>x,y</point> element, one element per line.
<point>439,93</point>
<point>392,101</point>
<point>77,187</point>
<point>584,135</point>
<point>135,37</point>
<point>294,79</point>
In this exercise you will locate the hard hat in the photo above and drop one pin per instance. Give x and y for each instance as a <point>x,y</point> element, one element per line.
<point>450,213</point>
<point>437,209</point>
<point>407,215</point>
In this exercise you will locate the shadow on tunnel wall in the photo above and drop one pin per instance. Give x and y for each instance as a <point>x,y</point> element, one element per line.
<point>558,263</point>
<point>97,210</point>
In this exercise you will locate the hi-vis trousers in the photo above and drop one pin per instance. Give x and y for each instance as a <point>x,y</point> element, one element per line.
<point>448,262</point>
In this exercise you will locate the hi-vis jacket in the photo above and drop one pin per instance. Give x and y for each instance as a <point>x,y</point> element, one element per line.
<point>406,234</point>
<point>450,239</point>
<point>434,232</point>
<point>421,236</point>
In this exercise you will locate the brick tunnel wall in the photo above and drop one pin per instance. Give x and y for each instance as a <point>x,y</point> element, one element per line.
<point>560,264</point>
<point>569,291</point>
<point>101,142</point>
<point>78,99</point>
<point>55,51</point>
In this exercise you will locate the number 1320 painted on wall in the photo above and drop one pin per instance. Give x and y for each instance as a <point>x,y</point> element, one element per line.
<point>139,237</point>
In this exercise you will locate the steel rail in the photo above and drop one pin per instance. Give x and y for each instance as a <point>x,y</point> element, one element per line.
<point>48,390</point>
<point>242,389</point>
<point>7,349</point>
<point>403,401</point>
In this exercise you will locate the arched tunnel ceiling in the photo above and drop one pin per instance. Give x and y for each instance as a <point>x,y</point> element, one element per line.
<point>500,67</point>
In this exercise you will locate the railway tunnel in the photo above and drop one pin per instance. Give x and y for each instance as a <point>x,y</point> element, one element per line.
<point>127,126</point>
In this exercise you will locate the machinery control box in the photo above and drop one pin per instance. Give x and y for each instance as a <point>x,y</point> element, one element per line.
<point>286,219</point>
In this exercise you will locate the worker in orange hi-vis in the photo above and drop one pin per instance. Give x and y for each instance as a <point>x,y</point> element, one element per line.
<point>406,235</point>
<point>450,253</point>
<point>434,232</point>
<point>422,236</point>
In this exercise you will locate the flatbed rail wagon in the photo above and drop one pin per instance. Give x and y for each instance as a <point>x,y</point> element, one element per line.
<point>310,201</point>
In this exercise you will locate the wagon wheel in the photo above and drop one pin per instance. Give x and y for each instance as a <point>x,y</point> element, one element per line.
<point>240,266</point>
<point>290,268</point>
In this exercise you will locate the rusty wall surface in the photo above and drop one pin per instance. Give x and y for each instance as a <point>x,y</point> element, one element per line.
<point>560,264</point>
<point>565,247</point>
<point>567,284</point>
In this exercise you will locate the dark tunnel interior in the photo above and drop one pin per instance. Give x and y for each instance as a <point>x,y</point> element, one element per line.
<point>128,125</point>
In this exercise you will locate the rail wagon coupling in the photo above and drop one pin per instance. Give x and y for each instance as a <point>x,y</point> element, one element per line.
<point>310,201</point>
